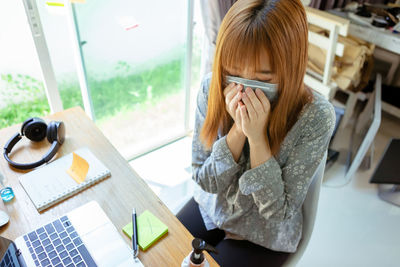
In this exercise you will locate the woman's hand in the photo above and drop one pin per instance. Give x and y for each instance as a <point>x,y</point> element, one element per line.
<point>254,115</point>
<point>233,95</point>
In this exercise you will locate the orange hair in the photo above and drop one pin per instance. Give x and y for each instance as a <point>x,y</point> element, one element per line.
<point>278,27</point>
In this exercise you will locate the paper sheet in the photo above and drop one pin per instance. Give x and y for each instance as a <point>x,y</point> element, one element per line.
<point>127,22</point>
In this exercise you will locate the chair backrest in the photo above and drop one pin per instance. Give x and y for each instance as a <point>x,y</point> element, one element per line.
<point>369,120</point>
<point>336,26</point>
<point>310,207</point>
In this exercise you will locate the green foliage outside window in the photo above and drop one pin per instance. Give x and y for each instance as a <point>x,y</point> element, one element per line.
<point>24,96</point>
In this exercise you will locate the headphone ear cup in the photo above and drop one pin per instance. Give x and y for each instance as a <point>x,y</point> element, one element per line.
<point>51,132</point>
<point>56,132</point>
<point>23,127</point>
<point>34,129</point>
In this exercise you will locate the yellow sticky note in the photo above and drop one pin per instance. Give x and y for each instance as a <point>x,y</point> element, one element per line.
<point>78,1</point>
<point>56,8</point>
<point>78,169</point>
<point>55,3</point>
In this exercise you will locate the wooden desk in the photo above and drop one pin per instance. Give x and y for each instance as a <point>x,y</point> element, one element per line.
<point>116,195</point>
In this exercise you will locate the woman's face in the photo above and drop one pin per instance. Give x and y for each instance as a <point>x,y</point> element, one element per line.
<point>263,74</point>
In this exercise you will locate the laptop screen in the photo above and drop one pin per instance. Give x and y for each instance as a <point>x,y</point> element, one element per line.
<point>8,253</point>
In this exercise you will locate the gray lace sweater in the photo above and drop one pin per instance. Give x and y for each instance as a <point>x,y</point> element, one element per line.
<point>263,204</point>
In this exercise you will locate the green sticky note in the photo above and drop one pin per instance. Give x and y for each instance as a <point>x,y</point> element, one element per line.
<point>150,229</point>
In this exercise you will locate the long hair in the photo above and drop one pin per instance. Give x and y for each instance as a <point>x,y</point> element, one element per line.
<point>250,27</point>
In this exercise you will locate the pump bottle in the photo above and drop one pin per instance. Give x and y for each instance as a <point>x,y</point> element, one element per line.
<point>196,257</point>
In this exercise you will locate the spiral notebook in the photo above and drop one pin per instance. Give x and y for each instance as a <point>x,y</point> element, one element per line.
<point>51,183</point>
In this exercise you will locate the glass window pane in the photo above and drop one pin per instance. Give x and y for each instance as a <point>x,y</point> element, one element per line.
<point>198,39</point>
<point>59,43</point>
<point>22,93</point>
<point>134,53</point>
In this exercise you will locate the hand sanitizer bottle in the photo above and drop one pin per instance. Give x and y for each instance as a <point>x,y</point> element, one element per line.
<point>196,257</point>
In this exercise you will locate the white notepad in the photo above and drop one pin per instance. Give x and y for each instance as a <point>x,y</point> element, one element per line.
<point>51,183</point>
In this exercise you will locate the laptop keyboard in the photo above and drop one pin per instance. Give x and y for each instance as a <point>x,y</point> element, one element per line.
<point>8,260</point>
<point>58,244</point>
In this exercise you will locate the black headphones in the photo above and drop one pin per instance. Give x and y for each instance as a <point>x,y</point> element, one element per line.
<point>35,129</point>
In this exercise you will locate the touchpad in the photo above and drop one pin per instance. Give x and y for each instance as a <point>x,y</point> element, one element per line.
<point>106,246</point>
<point>87,218</point>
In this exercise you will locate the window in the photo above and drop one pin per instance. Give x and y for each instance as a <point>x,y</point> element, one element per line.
<point>22,93</point>
<point>135,56</point>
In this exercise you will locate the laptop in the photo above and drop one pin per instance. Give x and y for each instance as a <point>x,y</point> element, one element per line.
<point>83,237</point>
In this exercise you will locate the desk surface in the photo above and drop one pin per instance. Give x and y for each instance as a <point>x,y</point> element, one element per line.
<point>116,195</point>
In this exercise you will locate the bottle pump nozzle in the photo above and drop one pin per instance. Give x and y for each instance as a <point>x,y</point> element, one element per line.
<point>199,245</point>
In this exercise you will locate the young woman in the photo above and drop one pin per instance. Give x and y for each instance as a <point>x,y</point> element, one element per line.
<point>253,155</point>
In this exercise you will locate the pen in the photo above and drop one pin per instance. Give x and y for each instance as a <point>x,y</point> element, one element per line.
<point>134,235</point>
